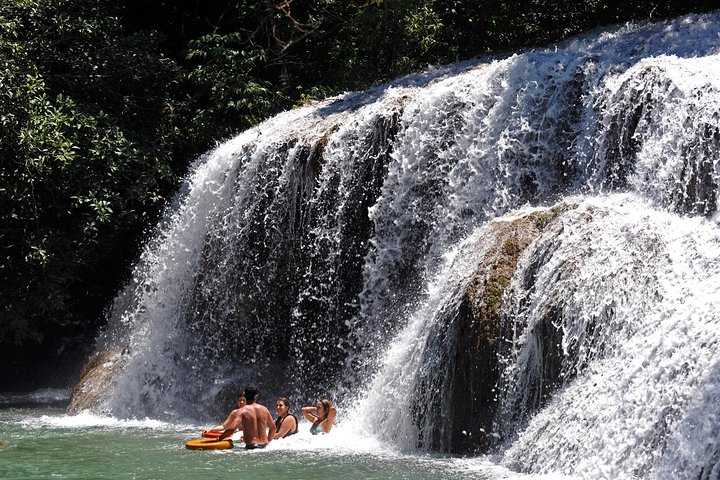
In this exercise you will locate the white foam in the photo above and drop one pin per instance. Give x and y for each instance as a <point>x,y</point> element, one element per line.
<point>87,419</point>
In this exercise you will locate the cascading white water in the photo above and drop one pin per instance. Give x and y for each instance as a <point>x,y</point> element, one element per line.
<point>323,250</point>
<point>389,404</point>
<point>224,294</point>
<point>635,293</point>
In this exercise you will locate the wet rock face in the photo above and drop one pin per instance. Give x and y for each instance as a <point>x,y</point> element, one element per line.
<point>472,390</point>
<point>94,380</point>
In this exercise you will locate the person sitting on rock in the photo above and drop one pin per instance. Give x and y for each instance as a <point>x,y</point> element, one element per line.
<point>322,415</point>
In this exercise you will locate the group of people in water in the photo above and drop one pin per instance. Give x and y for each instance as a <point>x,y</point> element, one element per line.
<point>258,426</point>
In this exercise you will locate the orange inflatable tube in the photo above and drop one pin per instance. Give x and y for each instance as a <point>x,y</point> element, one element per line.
<point>208,444</point>
<point>209,434</point>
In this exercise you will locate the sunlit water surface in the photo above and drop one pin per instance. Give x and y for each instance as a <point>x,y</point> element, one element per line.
<point>44,443</point>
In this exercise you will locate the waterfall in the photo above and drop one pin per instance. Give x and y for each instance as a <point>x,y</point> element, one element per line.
<point>632,294</point>
<point>514,255</point>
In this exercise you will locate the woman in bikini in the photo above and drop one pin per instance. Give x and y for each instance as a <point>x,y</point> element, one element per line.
<point>322,416</point>
<point>286,423</point>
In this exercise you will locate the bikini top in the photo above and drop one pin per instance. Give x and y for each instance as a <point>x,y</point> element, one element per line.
<point>316,427</point>
<point>279,421</point>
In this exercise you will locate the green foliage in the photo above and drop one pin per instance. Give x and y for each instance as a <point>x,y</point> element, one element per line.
<point>77,172</point>
<point>423,26</point>
<point>229,94</point>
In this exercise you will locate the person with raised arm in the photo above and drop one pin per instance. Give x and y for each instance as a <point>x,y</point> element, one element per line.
<point>322,415</point>
<point>257,423</point>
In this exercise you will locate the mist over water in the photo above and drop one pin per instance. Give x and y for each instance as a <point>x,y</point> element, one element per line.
<point>325,251</point>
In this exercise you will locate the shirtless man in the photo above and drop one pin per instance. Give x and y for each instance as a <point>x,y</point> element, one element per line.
<point>255,419</point>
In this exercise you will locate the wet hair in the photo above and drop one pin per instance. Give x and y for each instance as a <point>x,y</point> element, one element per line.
<point>285,401</point>
<point>327,405</point>
<point>250,394</point>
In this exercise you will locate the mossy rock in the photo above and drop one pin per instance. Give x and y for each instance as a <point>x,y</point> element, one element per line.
<point>473,388</point>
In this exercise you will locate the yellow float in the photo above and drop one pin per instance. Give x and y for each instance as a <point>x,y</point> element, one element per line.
<point>208,444</point>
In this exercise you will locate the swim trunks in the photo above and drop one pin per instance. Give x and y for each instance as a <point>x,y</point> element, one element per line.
<point>253,446</point>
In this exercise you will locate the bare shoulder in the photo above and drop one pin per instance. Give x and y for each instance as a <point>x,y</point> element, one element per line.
<point>241,412</point>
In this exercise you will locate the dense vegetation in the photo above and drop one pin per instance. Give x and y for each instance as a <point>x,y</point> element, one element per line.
<point>103,105</point>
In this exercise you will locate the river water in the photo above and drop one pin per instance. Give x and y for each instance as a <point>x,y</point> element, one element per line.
<point>41,442</point>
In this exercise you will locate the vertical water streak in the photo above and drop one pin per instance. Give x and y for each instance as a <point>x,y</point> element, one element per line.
<point>149,318</point>
<point>355,159</point>
<point>660,132</point>
<point>146,329</point>
<point>388,402</point>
